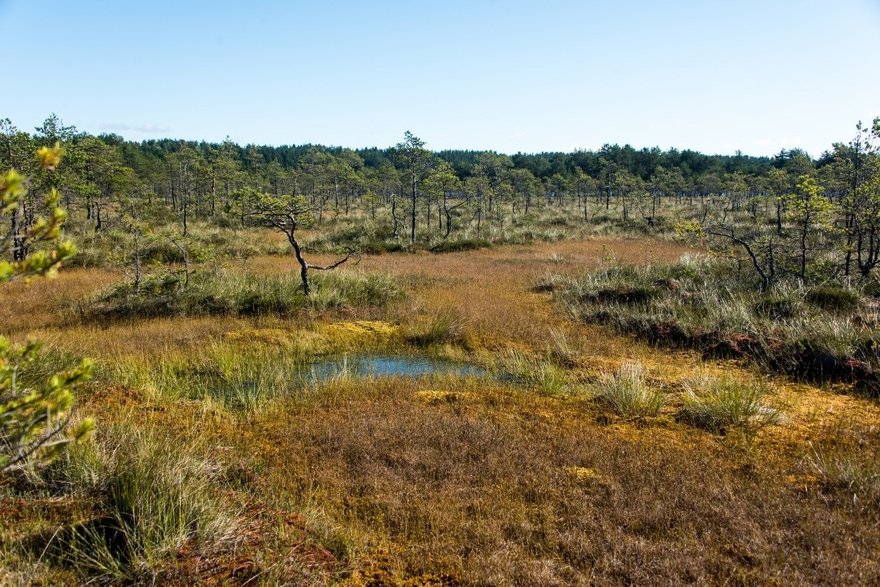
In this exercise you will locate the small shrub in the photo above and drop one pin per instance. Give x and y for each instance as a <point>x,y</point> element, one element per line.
<point>627,394</point>
<point>720,403</point>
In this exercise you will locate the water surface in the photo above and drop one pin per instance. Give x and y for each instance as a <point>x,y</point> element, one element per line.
<point>386,366</point>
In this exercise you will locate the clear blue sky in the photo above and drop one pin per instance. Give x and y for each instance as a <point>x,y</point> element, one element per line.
<point>506,75</point>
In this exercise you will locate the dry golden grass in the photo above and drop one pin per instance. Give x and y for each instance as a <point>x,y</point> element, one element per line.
<point>38,303</point>
<point>471,482</point>
<point>500,486</point>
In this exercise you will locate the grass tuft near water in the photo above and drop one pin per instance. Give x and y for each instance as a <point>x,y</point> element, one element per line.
<point>626,393</point>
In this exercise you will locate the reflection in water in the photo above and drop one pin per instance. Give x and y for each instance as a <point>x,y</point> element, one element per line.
<point>385,366</point>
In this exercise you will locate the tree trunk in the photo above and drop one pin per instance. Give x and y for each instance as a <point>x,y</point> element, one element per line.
<point>303,266</point>
<point>412,228</point>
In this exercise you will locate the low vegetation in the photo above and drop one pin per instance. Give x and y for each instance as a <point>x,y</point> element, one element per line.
<point>626,393</point>
<point>153,495</point>
<point>723,403</point>
<point>813,332</point>
<point>212,278</point>
<point>854,470</point>
<point>237,293</point>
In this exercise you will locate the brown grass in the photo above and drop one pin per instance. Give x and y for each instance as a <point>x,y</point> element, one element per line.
<point>489,483</point>
<point>482,490</point>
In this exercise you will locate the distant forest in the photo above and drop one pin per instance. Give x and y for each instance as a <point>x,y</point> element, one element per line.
<point>145,156</point>
<point>756,203</point>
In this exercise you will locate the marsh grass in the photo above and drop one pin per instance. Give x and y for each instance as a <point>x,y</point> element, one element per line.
<point>626,393</point>
<point>814,333</point>
<point>239,378</point>
<point>855,469</point>
<point>249,377</point>
<point>721,403</point>
<point>481,490</point>
<point>439,329</point>
<point>533,371</point>
<point>561,348</point>
<point>154,494</point>
<point>237,293</point>
<point>384,475</point>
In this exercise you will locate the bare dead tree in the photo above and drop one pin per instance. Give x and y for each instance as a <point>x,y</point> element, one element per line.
<point>287,214</point>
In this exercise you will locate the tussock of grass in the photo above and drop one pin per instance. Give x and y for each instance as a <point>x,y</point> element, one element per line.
<point>561,349</point>
<point>154,495</point>
<point>226,292</point>
<point>626,393</point>
<point>851,468</point>
<point>439,329</point>
<point>721,403</point>
<point>535,372</point>
<point>819,333</point>
<point>833,299</point>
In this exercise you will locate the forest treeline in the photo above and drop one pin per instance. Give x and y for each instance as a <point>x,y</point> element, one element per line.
<point>788,207</point>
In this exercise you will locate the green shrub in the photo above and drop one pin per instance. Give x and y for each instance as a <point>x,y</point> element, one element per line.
<point>35,406</point>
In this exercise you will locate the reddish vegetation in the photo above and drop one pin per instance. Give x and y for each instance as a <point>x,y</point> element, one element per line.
<point>384,484</point>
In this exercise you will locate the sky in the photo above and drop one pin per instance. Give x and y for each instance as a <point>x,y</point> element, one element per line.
<point>507,75</point>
